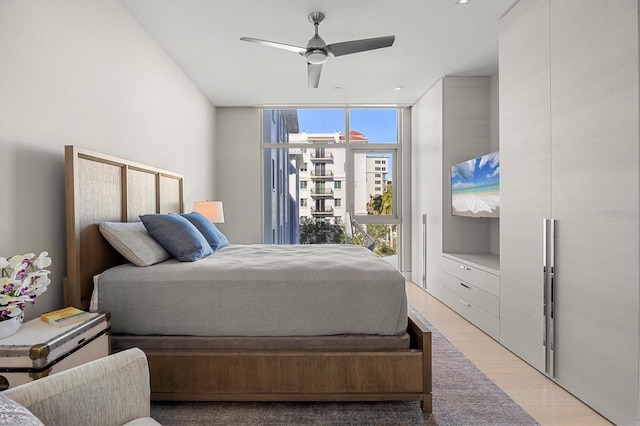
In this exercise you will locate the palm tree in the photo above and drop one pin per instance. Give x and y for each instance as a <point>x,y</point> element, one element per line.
<point>387,201</point>
<point>382,204</point>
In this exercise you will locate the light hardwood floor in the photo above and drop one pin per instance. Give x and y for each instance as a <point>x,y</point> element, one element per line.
<point>544,400</point>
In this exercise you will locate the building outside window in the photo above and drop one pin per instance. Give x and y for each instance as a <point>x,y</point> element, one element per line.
<point>327,147</point>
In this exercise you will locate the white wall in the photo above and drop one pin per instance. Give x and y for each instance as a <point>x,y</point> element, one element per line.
<point>406,259</point>
<point>239,168</point>
<point>466,134</point>
<point>85,73</point>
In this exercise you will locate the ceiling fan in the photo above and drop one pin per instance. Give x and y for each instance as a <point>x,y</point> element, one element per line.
<point>317,51</point>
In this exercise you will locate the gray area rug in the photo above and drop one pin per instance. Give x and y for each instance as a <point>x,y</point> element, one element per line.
<point>462,395</point>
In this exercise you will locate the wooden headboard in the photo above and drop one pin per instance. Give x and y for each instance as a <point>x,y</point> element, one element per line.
<point>103,188</point>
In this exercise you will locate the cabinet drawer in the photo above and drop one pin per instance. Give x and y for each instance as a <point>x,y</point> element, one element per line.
<point>478,317</point>
<point>472,294</point>
<point>471,274</point>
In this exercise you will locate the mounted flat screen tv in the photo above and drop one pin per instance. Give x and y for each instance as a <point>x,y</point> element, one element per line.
<point>475,187</point>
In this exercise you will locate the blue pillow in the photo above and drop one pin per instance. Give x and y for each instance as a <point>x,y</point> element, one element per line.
<point>214,237</point>
<point>177,236</point>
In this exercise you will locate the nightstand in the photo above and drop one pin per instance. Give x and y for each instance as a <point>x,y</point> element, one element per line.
<point>39,349</point>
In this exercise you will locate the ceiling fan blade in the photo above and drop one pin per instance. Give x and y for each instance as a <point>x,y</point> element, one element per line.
<point>355,46</point>
<point>292,48</point>
<point>313,71</point>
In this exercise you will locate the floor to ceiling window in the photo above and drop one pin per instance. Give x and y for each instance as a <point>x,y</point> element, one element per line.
<point>322,167</point>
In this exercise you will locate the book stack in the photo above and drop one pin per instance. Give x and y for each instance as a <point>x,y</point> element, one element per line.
<point>64,317</point>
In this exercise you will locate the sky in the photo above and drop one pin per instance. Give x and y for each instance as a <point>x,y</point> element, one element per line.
<point>378,125</point>
<point>480,171</point>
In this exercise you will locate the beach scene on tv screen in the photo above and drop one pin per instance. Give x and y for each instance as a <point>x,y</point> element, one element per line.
<point>475,187</point>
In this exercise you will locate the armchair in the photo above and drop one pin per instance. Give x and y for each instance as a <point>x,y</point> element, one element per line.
<point>110,391</point>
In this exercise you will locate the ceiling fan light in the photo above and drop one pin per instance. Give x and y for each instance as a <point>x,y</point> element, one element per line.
<point>316,57</point>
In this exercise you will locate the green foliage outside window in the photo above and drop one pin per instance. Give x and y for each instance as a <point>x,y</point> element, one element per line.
<point>381,204</point>
<point>313,231</point>
<point>384,235</point>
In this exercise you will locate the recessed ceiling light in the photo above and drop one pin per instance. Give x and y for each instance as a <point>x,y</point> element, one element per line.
<point>462,1</point>
<point>398,88</point>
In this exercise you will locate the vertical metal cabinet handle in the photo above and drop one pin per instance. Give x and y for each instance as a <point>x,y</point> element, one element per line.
<point>552,267</point>
<point>544,284</point>
<point>552,271</point>
<point>424,251</point>
<point>548,311</point>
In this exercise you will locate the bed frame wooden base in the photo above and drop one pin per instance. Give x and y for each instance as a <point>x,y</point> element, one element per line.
<point>104,188</point>
<point>284,375</point>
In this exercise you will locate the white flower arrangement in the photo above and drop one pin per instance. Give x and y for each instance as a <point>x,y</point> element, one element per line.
<point>23,279</point>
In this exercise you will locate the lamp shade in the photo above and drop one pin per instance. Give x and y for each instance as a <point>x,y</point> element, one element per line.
<point>212,210</point>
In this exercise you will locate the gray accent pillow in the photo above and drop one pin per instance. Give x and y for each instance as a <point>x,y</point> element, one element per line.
<point>14,414</point>
<point>132,240</point>
<point>178,236</point>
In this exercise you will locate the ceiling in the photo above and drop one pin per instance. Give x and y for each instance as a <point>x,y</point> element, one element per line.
<point>434,38</point>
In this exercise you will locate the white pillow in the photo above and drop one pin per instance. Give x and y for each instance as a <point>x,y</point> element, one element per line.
<point>132,240</point>
<point>15,414</point>
<point>93,303</point>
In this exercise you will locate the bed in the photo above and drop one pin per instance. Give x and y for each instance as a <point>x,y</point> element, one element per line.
<point>256,351</point>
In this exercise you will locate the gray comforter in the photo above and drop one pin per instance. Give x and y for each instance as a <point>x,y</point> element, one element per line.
<point>259,290</point>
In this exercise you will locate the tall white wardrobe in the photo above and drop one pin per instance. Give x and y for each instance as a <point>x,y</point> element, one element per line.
<point>567,240</point>
<point>569,150</point>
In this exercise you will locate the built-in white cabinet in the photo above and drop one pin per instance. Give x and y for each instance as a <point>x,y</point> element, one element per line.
<point>569,227</point>
<point>472,288</point>
<point>456,259</point>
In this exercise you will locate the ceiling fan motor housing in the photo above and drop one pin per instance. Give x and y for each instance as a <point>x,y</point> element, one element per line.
<point>316,56</point>
<point>316,53</point>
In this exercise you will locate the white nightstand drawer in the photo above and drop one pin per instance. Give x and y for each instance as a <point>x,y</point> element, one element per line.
<point>473,294</point>
<point>472,274</point>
